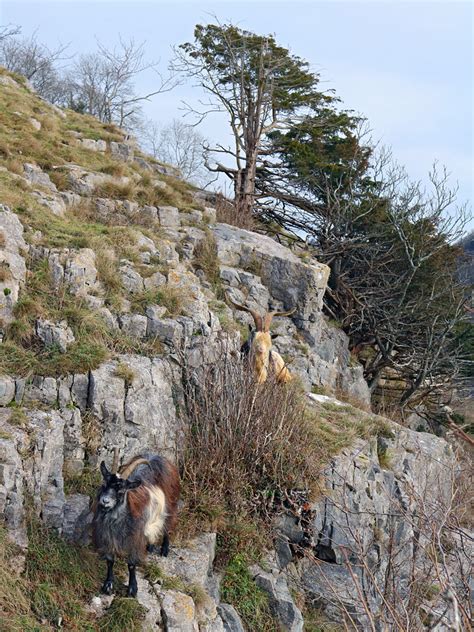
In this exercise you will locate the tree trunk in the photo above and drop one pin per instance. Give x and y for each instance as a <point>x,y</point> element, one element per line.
<point>244,187</point>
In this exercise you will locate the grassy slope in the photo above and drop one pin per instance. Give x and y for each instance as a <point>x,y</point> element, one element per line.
<point>51,148</point>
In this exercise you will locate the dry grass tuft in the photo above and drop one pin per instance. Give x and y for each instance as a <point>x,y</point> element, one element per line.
<point>226,214</point>
<point>206,259</point>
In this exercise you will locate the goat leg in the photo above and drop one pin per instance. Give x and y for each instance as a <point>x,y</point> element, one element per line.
<point>165,545</point>
<point>108,585</point>
<point>132,581</point>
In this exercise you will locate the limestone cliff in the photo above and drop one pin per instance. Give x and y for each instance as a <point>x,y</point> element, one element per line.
<point>103,280</point>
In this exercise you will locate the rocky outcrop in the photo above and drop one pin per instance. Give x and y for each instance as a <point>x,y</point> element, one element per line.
<point>374,531</point>
<point>13,249</point>
<point>54,334</point>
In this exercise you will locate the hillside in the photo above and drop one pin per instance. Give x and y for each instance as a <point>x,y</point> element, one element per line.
<point>113,277</point>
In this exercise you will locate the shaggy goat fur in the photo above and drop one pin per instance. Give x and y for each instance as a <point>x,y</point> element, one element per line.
<point>134,509</point>
<point>259,346</point>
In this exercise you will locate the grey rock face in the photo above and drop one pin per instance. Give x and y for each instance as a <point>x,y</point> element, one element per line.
<point>230,618</point>
<point>75,514</point>
<point>377,514</point>
<point>12,442</point>
<point>54,334</point>
<point>168,216</point>
<point>287,278</point>
<point>35,175</point>
<point>12,263</point>
<point>74,442</point>
<point>281,602</point>
<point>136,416</point>
<point>192,564</point>
<point>148,598</point>
<point>7,390</point>
<point>178,612</point>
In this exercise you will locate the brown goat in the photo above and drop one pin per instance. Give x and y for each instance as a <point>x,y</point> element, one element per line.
<point>263,357</point>
<point>134,510</point>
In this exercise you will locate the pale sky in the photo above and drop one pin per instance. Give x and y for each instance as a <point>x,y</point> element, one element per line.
<point>407,66</point>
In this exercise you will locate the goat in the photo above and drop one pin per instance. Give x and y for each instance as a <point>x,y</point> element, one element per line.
<point>133,510</point>
<point>259,345</point>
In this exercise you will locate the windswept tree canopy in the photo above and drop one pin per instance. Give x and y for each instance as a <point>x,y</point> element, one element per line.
<point>259,85</point>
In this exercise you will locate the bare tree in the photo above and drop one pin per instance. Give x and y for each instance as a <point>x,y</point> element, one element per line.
<point>37,62</point>
<point>8,30</point>
<point>391,247</point>
<point>102,83</point>
<point>181,145</point>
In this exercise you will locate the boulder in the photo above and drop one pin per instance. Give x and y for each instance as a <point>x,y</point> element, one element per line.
<point>133,325</point>
<point>154,281</point>
<point>79,271</point>
<point>280,601</point>
<point>55,203</point>
<point>168,217</point>
<point>93,145</point>
<point>55,334</point>
<point>230,618</point>
<point>131,279</point>
<point>13,249</point>
<point>122,151</point>
<point>178,612</point>
<point>35,175</point>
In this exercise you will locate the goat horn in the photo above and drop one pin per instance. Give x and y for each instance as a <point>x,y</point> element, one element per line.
<point>115,461</point>
<point>269,316</point>
<point>256,317</point>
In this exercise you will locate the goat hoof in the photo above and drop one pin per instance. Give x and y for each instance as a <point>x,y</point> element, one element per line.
<point>132,591</point>
<point>165,549</point>
<point>107,588</point>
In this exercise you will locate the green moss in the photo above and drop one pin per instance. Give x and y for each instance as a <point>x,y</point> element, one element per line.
<point>240,590</point>
<point>124,614</point>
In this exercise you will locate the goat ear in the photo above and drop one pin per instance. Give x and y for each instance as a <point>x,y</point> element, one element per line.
<point>132,484</point>
<point>104,471</point>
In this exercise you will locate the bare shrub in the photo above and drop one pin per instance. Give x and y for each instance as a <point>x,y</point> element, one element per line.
<point>227,214</point>
<point>245,444</point>
<point>405,563</point>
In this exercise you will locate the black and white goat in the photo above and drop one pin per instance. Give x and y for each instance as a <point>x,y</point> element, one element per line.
<point>134,509</point>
